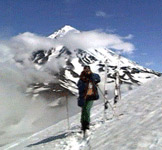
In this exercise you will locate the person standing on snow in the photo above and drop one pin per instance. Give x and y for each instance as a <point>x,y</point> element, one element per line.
<point>87,86</point>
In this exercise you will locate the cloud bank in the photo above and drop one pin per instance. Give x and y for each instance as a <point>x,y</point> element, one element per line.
<point>21,46</point>
<point>97,39</point>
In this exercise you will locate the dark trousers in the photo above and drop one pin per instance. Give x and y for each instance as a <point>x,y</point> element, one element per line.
<point>85,116</point>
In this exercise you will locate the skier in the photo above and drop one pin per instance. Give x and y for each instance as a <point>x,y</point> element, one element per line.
<point>87,86</point>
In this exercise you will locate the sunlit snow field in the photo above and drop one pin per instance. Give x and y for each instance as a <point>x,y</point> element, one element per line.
<point>139,128</point>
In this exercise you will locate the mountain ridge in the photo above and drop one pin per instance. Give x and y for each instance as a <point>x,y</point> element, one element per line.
<point>130,72</point>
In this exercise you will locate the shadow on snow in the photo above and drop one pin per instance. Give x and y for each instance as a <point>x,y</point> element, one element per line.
<point>49,139</point>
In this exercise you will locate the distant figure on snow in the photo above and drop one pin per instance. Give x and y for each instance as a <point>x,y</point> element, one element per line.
<point>87,86</point>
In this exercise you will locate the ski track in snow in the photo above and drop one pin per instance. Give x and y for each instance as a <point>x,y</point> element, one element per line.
<point>139,128</point>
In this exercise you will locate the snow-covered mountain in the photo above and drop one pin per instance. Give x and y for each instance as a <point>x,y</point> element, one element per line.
<point>52,72</point>
<point>138,128</point>
<point>130,72</point>
<point>60,33</point>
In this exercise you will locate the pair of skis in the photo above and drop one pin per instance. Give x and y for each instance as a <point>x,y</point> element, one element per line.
<point>117,93</point>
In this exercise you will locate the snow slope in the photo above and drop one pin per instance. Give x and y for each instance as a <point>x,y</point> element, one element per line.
<point>139,128</point>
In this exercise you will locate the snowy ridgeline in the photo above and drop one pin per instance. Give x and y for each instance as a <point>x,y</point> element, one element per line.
<point>139,128</point>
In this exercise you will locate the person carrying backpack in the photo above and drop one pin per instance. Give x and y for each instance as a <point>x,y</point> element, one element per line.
<point>87,86</point>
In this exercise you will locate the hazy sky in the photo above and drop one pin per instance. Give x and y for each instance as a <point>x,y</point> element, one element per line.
<point>140,20</point>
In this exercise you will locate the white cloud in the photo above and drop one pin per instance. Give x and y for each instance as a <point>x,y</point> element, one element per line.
<point>101,14</point>
<point>149,63</point>
<point>5,53</point>
<point>28,42</point>
<point>128,37</point>
<point>20,48</point>
<point>23,45</point>
<point>14,78</point>
<point>96,39</point>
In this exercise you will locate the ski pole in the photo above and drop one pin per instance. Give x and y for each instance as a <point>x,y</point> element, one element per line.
<point>105,99</point>
<point>118,76</point>
<point>105,103</point>
<point>114,114</point>
<point>118,82</point>
<point>67,109</point>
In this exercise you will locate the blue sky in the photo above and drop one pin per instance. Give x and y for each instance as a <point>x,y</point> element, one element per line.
<point>140,18</point>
